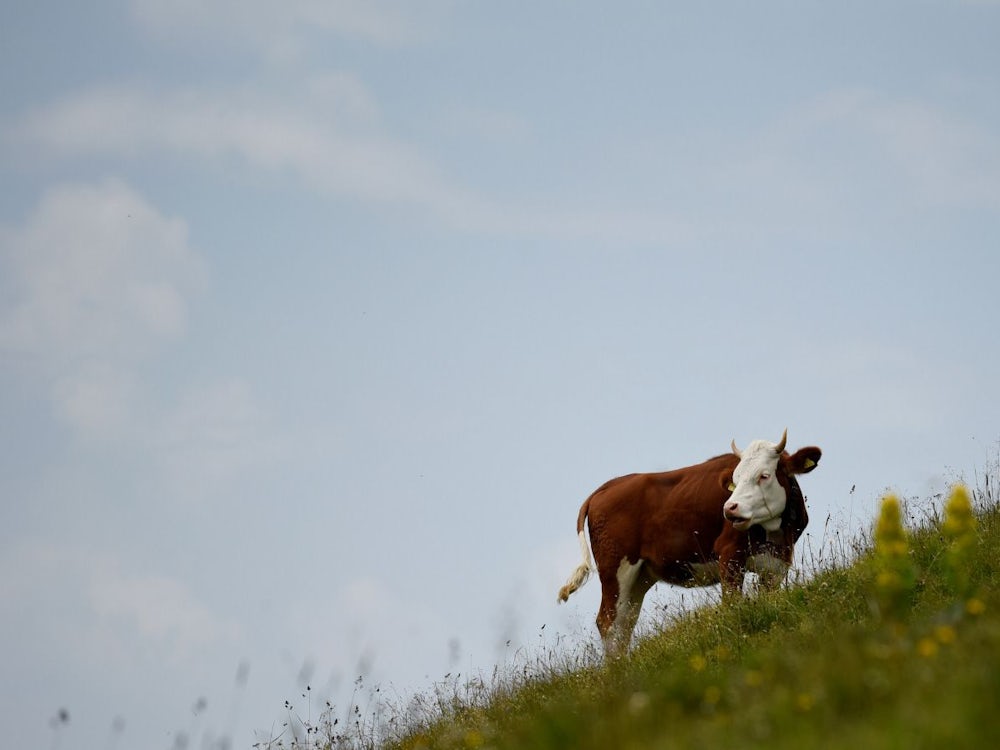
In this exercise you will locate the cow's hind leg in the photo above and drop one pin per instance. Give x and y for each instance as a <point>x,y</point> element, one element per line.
<point>621,602</point>
<point>608,610</point>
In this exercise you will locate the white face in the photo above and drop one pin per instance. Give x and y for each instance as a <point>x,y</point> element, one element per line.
<point>758,497</point>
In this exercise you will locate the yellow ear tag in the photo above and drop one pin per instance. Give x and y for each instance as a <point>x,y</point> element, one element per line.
<point>732,487</point>
<point>809,463</point>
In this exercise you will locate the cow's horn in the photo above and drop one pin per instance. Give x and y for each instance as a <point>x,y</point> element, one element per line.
<point>781,445</point>
<point>732,444</point>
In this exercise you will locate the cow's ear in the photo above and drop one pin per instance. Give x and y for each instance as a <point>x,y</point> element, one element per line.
<point>726,480</point>
<point>803,460</point>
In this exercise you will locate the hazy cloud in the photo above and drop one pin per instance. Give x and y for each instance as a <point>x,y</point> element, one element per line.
<point>100,282</point>
<point>334,145</point>
<point>936,156</point>
<point>116,615</point>
<point>951,160</point>
<point>96,272</point>
<point>282,31</point>
<point>213,435</point>
<point>881,386</point>
<point>158,609</point>
<point>98,399</point>
<point>97,280</point>
<point>323,144</point>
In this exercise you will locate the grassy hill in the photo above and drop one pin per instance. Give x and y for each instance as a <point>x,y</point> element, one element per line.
<point>898,648</point>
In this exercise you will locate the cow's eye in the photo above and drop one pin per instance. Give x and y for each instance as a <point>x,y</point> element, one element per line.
<point>764,477</point>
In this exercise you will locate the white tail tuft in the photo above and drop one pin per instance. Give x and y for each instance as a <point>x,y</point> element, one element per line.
<point>581,574</point>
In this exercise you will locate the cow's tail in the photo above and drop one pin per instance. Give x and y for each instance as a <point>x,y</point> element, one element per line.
<point>582,572</point>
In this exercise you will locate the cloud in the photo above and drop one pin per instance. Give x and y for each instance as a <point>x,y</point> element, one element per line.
<point>97,280</point>
<point>98,284</point>
<point>871,385</point>
<point>331,138</point>
<point>95,272</point>
<point>82,605</point>
<point>367,622</point>
<point>157,609</point>
<point>329,133</point>
<point>99,399</point>
<point>950,160</point>
<point>213,435</point>
<point>932,154</point>
<point>333,143</point>
<point>490,126</point>
<point>282,31</point>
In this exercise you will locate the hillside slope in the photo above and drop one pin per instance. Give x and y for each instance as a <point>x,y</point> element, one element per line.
<point>853,659</point>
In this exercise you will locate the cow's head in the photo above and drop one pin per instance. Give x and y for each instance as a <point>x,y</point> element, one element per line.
<point>760,482</point>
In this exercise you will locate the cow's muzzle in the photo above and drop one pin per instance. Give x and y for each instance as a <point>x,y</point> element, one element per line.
<point>736,520</point>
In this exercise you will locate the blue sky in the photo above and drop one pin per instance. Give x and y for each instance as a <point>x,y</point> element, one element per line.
<point>318,321</point>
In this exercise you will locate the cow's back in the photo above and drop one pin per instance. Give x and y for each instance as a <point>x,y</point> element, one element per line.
<point>670,519</point>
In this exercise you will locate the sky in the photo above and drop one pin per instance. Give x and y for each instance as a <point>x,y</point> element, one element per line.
<point>320,320</point>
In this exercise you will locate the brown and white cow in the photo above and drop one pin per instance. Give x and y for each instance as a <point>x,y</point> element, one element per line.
<point>696,526</point>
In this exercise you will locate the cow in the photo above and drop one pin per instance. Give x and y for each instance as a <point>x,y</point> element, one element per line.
<point>697,526</point>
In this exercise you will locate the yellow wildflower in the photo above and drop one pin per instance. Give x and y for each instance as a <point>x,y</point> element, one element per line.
<point>927,647</point>
<point>945,634</point>
<point>722,653</point>
<point>959,529</point>
<point>895,576</point>
<point>804,702</point>
<point>975,606</point>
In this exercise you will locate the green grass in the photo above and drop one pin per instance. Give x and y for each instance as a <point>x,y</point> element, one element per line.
<point>812,665</point>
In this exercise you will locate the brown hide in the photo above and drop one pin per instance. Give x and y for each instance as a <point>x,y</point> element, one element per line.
<point>669,519</point>
<point>672,520</point>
